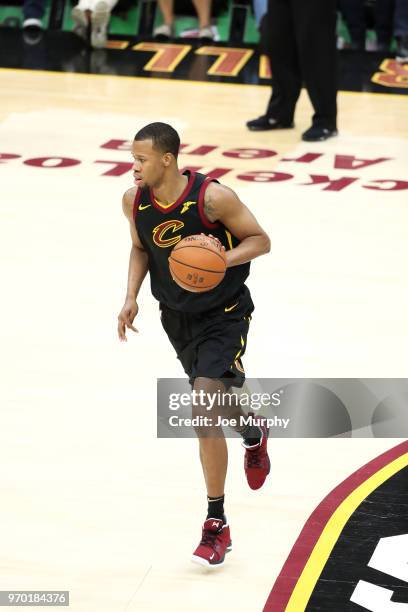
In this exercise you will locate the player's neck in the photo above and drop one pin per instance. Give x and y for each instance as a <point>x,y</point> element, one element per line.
<point>171,188</point>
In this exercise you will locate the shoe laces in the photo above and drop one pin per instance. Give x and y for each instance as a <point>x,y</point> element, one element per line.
<point>209,537</point>
<point>254,458</point>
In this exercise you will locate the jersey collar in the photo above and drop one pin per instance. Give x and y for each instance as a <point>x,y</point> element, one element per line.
<point>179,200</point>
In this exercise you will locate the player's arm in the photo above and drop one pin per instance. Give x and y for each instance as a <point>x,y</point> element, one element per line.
<point>138,266</point>
<point>222,204</point>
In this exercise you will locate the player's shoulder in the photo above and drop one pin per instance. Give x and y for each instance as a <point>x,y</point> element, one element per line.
<point>218,189</point>
<point>128,200</point>
<point>217,192</point>
<point>218,200</point>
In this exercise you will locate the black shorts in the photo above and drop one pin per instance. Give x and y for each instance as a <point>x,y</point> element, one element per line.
<point>212,343</point>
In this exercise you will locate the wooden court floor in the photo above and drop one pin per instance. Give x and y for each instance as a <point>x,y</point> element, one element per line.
<point>91,501</point>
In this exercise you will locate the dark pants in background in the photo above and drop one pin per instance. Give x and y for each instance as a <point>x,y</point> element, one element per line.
<point>353,12</point>
<point>33,9</point>
<point>390,16</point>
<point>302,46</point>
<point>384,17</point>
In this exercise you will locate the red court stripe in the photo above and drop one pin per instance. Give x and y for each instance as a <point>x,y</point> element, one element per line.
<point>302,549</point>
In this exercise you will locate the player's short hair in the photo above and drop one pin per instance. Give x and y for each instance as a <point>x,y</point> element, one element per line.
<point>163,136</point>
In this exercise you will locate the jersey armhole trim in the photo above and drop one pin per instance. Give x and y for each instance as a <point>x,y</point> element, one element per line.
<point>200,205</point>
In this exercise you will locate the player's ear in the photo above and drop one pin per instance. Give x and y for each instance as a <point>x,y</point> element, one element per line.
<point>167,157</point>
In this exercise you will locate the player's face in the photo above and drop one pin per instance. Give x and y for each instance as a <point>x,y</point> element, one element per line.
<point>148,167</point>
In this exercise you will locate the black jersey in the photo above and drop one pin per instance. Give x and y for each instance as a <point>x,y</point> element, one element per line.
<point>161,227</point>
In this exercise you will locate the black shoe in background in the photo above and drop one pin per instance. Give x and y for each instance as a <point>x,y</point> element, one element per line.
<point>316,134</point>
<point>265,122</point>
<point>402,50</point>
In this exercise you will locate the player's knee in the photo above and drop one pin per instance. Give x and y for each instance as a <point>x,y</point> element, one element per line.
<point>205,419</point>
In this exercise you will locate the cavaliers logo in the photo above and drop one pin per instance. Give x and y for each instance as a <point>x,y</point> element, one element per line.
<point>163,234</point>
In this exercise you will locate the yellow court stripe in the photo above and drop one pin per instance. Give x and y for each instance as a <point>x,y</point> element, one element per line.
<point>147,79</point>
<point>133,78</point>
<point>330,534</point>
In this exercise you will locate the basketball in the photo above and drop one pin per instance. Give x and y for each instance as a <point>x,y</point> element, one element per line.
<point>197,263</point>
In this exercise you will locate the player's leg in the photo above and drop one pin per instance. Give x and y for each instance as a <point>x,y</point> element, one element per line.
<point>213,448</point>
<point>254,433</point>
<point>220,344</point>
<point>215,540</point>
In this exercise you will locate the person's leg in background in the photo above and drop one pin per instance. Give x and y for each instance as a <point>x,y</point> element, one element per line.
<point>96,14</point>
<point>166,29</point>
<point>384,15</point>
<point>401,29</point>
<point>203,9</point>
<point>260,9</point>
<point>81,15</point>
<point>33,12</point>
<point>100,17</point>
<point>286,77</point>
<point>315,27</point>
<point>354,16</point>
<point>167,10</point>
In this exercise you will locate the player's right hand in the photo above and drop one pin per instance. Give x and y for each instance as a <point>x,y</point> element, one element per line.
<point>126,318</point>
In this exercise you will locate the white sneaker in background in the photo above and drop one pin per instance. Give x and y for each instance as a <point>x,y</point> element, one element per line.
<point>206,32</point>
<point>32,23</point>
<point>163,31</point>
<point>99,25</point>
<point>80,19</point>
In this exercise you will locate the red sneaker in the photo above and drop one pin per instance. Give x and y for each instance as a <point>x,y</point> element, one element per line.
<point>215,542</point>
<point>257,465</point>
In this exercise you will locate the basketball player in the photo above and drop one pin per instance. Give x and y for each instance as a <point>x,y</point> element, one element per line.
<point>208,330</point>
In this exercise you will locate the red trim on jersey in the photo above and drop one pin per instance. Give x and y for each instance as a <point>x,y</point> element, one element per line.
<point>179,200</point>
<point>136,203</point>
<point>200,205</point>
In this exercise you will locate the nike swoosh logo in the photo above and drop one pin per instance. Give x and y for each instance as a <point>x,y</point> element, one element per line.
<point>229,308</point>
<point>212,556</point>
<point>142,207</point>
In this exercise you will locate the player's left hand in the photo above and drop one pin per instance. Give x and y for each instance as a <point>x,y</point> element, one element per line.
<point>221,246</point>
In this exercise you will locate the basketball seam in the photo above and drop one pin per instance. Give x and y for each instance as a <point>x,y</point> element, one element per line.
<point>194,286</point>
<point>194,246</point>
<point>195,267</point>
